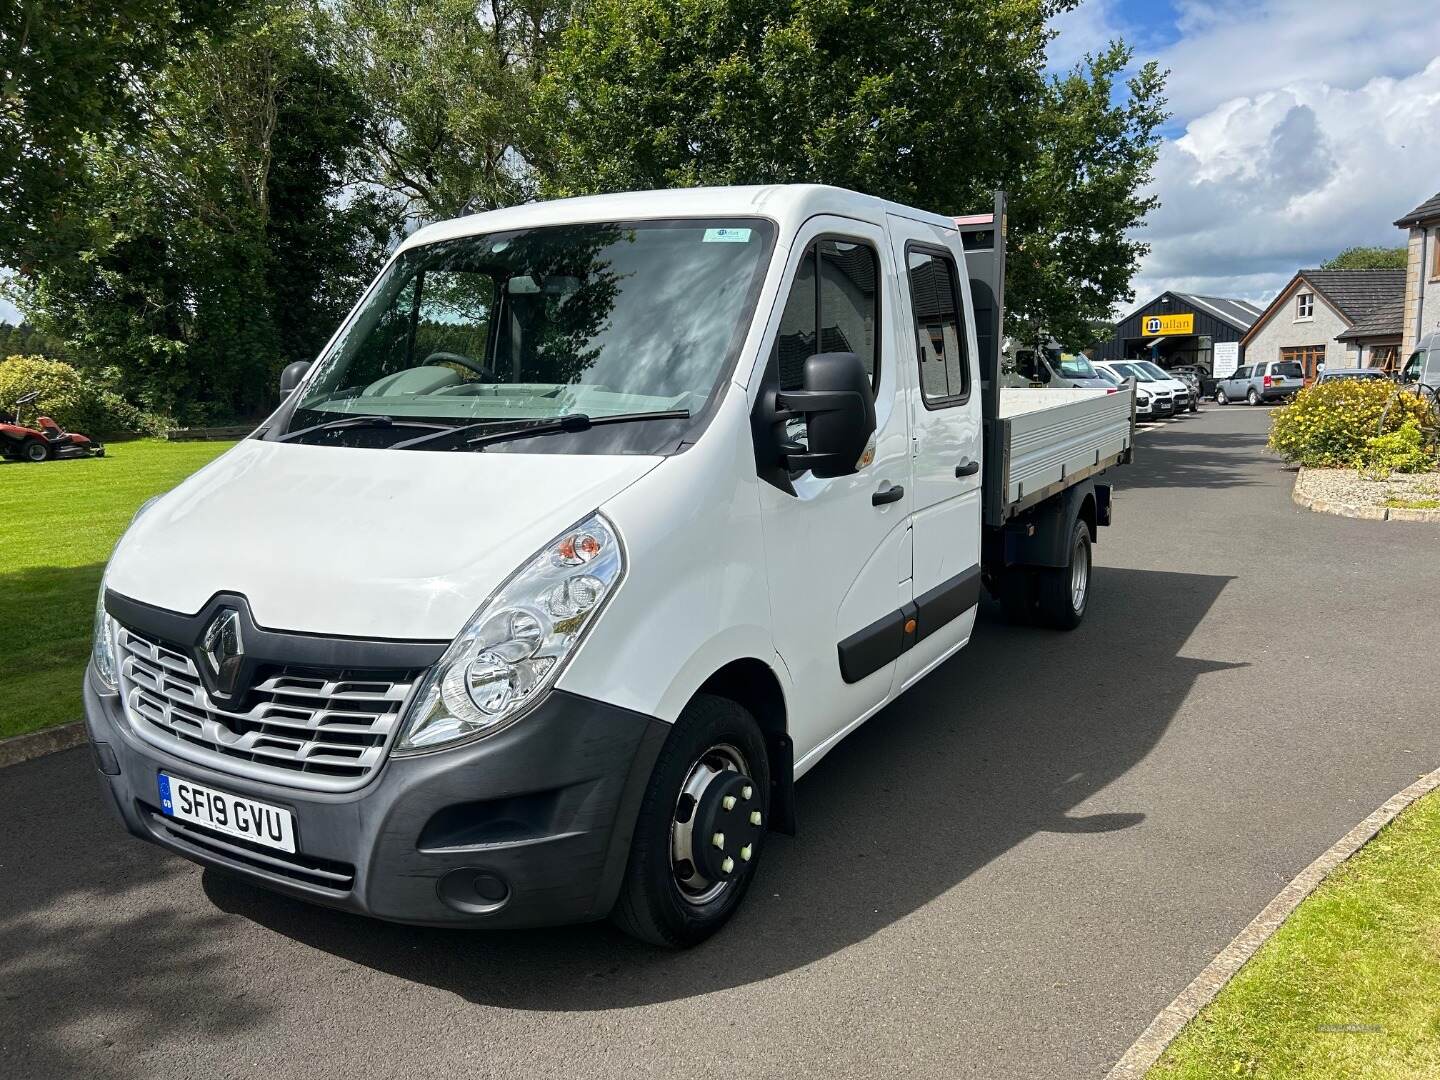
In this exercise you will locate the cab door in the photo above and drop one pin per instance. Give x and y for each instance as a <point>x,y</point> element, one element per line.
<point>837,549</point>
<point>935,338</point>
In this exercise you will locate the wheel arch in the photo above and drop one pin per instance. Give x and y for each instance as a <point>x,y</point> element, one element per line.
<point>753,685</point>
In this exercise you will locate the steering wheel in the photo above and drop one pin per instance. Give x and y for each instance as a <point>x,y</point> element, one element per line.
<point>456,358</point>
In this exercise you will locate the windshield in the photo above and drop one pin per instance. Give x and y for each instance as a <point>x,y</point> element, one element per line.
<point>1154,369</point>
<point>600,319</point>
<point>1076,367</point>
<point>1134,371</point>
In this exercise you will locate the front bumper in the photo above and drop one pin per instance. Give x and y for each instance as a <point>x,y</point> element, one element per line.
<point>528,827</point>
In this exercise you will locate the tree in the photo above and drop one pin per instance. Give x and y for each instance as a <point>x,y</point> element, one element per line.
<point>1367,258</point>
<point>934,103</point>
<point>449,89</point>
<point>220,242</point>
<point>69,71</point>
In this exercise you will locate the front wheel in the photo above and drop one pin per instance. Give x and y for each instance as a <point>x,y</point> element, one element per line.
<point>701,827</point>
<point>1064,591</point>
<point>1221,398</point>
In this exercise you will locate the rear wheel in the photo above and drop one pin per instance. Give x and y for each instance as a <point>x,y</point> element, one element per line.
<point>35,450</point>
<point>1063,592</point>
<point>701,827</point>
<point>1253,396</point>
<point>1221,398</point>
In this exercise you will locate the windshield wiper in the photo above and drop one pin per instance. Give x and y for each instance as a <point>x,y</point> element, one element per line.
<point>569,423</point>
<point>362,421</point>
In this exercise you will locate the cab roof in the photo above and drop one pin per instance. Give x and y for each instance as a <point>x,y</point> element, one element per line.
<point>788,205</point>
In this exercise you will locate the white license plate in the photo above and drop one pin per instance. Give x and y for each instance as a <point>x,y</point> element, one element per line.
<point>246,819</point>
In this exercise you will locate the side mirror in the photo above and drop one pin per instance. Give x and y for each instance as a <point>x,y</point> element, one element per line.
<point>839,409</point>
<point>292,375</point>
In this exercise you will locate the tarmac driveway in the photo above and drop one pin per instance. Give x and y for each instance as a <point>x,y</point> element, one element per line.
<point>1005,874</point>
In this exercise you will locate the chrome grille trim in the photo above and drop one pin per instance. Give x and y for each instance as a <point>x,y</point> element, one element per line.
<point>324,732</point>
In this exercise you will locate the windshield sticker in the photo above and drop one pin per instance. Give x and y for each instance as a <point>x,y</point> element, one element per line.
<point>727,236</point>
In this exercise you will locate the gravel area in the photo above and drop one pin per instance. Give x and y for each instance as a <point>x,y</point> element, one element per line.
<point>1340,491</point>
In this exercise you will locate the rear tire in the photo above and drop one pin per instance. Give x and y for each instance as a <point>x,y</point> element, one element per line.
<point>714,748</point>
<point>1064,592</point>
<point>36,450</point>
<point>1253,396</point>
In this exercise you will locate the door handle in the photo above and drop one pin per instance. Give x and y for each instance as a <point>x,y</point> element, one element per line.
<point>966,468</point>
<point>888,494</point>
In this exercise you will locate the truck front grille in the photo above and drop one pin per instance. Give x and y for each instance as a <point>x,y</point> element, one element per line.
<point>323,730</point>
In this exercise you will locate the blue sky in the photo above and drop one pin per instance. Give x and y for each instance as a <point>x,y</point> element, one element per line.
<point>1300,127</point>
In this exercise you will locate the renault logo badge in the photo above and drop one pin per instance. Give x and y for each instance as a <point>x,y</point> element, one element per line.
<point>223,650</point>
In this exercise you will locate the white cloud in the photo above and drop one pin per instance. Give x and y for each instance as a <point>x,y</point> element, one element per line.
<point>1265,183</point>
<point>1240,48</point>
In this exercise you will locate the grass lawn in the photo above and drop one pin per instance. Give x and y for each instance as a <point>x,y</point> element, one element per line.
<point>59,521</point>
<point>1350,984</point>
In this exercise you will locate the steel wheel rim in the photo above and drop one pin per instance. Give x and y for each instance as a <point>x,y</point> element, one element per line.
<point>694,887</point>
<point>1079,575</point>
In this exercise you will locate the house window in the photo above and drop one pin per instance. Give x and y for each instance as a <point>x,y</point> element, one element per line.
<point>1309,357</point>
<point>1305,305</point>
<point>1435,256</point>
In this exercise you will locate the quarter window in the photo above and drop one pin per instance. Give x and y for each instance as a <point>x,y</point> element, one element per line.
<point>939,328</point>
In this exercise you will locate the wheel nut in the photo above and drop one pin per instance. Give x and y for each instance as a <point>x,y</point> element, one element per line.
<point>754,817</point>
<point>745,853</point>
<point>728,802</point>
<point>728,864</point>
<point>746,791</point>
<point>718,839</point>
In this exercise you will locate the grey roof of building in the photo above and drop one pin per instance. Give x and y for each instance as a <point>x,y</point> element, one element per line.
<point>1240,314</point>
<point>1426,211</point>
<point>1387,319</point>
<point>1355,294</point>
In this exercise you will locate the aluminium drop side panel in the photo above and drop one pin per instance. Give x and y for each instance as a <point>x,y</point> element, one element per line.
<point>1048,440</point>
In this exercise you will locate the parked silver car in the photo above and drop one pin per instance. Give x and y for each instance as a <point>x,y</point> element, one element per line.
<point>1269,380</point>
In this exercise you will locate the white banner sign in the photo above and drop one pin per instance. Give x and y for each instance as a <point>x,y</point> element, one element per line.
<point>1227,359</point>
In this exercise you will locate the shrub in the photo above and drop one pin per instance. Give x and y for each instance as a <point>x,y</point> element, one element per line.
<point>75,402</point>
<point>1402,451</point>
<point>1330,424</point>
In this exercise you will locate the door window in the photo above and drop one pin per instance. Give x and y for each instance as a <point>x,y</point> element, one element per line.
<point>939,329</point>
<point>834,306</point>
<point>1241,373</point>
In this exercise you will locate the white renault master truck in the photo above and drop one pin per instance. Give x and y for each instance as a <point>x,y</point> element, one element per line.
<point>595,526</point>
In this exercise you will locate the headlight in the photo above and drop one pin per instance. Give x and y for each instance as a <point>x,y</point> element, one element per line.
<point>512,649</point>
<point>1142,395</point>
<point>102,643</point>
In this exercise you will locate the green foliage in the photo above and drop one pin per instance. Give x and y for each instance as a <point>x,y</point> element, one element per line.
<point>934,103</point>
<point>449,93</point>
<point>1331,424</point>
<point>1403,450</point>
<point>25,339</point>
<point>205,252</point>
<point>69,70</point>
<point>1367,258</point>
<point>76,401</point>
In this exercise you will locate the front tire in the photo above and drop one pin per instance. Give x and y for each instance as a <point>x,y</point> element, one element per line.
<point>1064,592</point>
<point>701,827</point>
<point>1221,398</point>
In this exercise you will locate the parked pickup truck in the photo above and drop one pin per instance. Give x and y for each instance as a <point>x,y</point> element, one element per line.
<point>594,527</point>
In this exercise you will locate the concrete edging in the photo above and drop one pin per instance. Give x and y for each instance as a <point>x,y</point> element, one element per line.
<point>1156,1038</point>
<point>1353,510</point>
<point>33,744</point>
